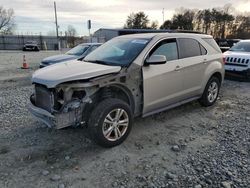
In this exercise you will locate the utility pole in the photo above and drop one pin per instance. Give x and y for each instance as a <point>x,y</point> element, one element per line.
<point>89,27</point>
<point>56,25</point>
<point>163,15</point>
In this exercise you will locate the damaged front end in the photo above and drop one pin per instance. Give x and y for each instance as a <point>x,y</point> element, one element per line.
<point>62,106</point>
<point>70,103</point>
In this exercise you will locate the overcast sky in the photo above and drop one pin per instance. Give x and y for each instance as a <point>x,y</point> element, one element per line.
<point>35,16</point>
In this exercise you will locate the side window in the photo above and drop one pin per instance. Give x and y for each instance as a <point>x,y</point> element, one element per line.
<point>167,48</point>
<point>189,48</point>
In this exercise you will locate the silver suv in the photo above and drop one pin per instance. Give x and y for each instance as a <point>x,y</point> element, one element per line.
<point>128,76</point>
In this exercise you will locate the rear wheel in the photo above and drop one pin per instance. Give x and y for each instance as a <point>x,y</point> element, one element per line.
<point>110,122</point>
<point>211,92</point>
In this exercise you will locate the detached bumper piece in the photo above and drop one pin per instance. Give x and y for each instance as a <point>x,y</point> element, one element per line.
<point>70,116</point>
<point>42,115</point>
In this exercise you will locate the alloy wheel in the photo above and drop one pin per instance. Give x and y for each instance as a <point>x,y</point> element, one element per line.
<point>212,92</point>
<point>115,124</point>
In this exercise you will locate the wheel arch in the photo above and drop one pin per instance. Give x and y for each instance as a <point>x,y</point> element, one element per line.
<point>215,68</point>
<point>217,75</point>
<point>118,91</point>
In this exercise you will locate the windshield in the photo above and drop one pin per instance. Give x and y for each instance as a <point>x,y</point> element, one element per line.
<point>117,52</point>
<point>241,47</point>
<point>78,50</point>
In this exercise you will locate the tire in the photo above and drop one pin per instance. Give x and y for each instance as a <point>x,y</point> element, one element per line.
<point>210,95</point>
<point>97,127</point>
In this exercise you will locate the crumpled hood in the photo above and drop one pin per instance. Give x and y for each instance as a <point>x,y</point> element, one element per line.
<point>58,58</point>
<point>70,71</point>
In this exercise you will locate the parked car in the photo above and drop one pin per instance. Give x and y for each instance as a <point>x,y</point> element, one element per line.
<point>30,46</point>
<point>226,44</point>
<point>128,76</point>
<point>238,60</point>
<point>78,52</point>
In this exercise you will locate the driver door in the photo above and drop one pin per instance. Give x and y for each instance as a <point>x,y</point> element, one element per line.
<point>162,84</point>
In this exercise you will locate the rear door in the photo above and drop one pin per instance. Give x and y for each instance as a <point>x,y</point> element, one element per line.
<point>162,84</point>
<point>193,64</point>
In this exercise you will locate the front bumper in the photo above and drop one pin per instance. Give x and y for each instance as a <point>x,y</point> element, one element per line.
<point>61,120</point>
<point>42,115</point>
<point>239,73</point>
<point>41,65</point>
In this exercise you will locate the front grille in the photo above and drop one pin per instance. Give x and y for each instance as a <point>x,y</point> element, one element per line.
<point>241,62</point>
<point>43,97</point>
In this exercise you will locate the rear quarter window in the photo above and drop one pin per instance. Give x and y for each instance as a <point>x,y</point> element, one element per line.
<point>212,43</point>
<point>203,50</point>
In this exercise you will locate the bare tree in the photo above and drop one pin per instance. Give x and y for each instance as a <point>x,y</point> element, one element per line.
<point>71,35</point>
<point>6,20</point>
<point>154,25</point>
<point>71,31</point>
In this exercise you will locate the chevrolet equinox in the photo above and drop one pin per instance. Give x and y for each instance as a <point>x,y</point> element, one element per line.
<point>128,76</point>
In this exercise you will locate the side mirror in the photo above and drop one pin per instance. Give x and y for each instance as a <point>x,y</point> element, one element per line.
<point>156,60</point>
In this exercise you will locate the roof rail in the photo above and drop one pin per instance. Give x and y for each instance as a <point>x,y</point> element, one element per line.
<point>185,31</point>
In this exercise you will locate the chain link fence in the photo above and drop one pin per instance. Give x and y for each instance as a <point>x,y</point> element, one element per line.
<point>16,42</point>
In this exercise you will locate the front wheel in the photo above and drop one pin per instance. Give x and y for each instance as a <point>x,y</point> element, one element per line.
<point>110,122</point>
<point>211,92</point>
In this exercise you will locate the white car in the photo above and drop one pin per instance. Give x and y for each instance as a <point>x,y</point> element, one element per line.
<point>237,59</point>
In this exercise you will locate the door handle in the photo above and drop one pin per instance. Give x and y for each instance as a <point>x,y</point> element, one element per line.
<point>205,61</point>
<point>177,68</point>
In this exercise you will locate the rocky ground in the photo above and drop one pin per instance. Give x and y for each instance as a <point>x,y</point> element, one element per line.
<point>189,146</point>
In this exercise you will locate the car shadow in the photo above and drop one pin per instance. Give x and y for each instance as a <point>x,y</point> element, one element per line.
<point>236,78</point>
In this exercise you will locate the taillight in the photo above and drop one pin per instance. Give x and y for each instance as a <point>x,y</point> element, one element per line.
<point>224,60</point>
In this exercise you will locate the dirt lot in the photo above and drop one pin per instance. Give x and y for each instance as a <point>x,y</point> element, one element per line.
<point>189,146</point>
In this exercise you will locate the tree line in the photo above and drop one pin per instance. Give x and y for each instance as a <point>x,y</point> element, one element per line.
<point>219,22</point>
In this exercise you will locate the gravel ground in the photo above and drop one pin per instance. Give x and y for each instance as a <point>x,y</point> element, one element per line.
<point>11,62</point>
<point>189,146</point>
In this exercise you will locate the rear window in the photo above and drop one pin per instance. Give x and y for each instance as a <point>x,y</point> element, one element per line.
<point>212,43</point>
